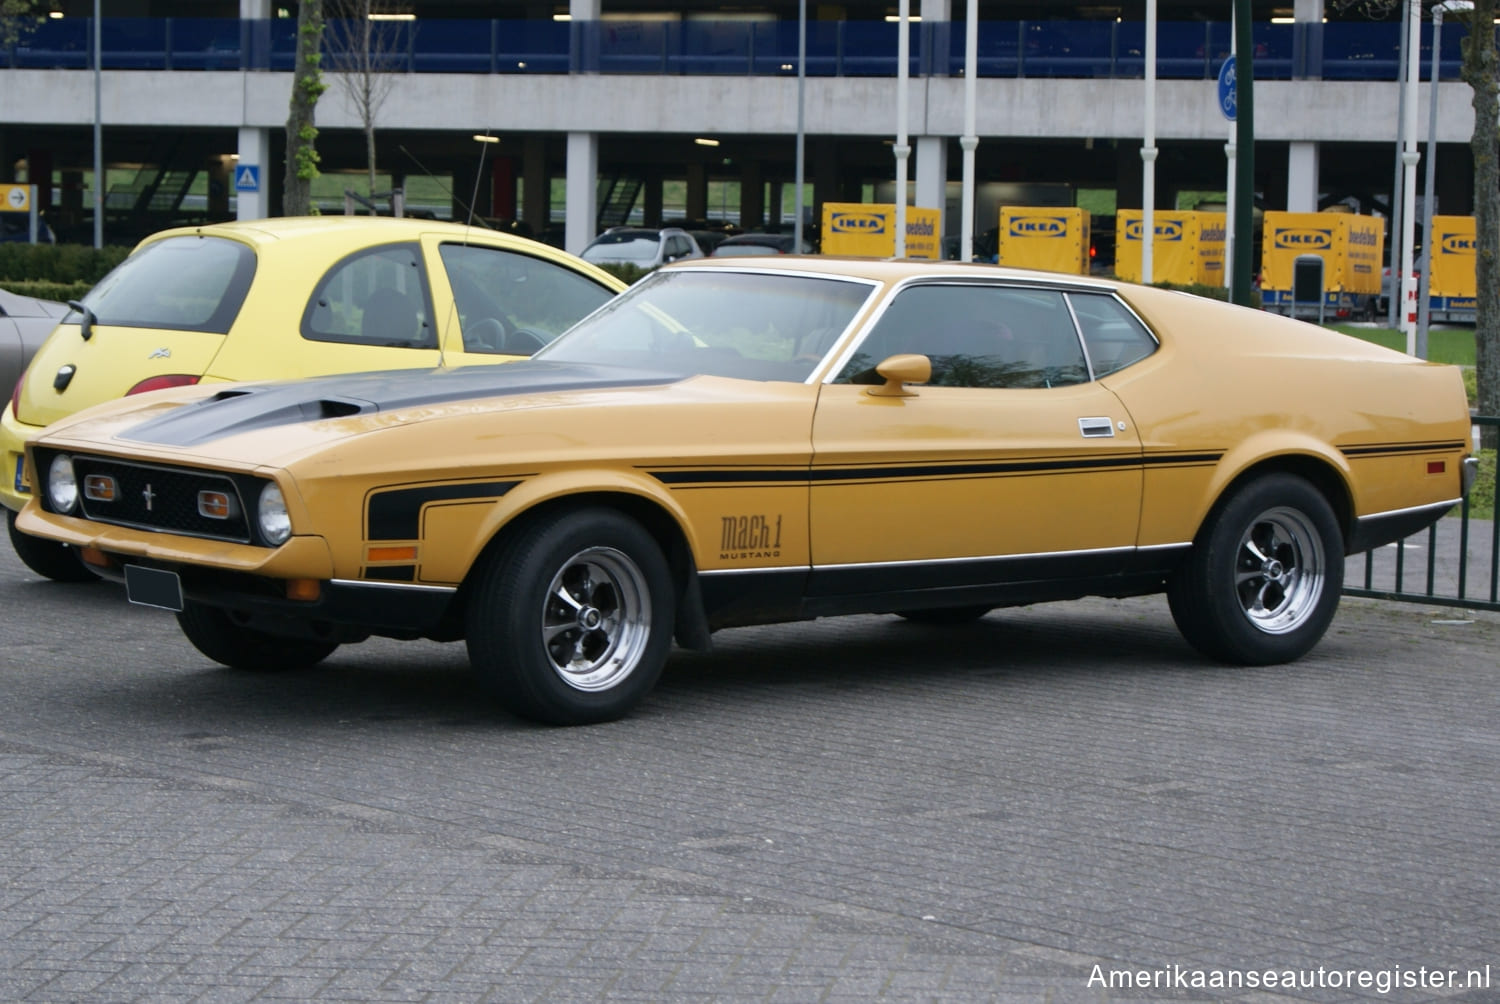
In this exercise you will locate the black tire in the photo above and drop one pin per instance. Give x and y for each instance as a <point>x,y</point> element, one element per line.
<point>1263,580</point>
<point>217,634</point>
<point>570,622</point>
<point>944,616</point>
<point>50,558</point>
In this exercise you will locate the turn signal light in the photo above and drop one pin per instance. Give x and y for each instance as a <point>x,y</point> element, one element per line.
<point>407,553</point>
<point>304,590</point>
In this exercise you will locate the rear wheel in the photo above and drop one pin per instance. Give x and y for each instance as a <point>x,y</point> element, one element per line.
<point>1264,578</point>
<point>48,558</point>
<point>571,622</point>
<point>222,637</point>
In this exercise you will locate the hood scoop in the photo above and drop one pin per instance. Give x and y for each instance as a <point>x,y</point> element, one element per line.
<point>251,407</point>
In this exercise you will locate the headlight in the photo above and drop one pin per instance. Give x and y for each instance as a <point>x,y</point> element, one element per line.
<point>271,514</point>
<point>62,484</point>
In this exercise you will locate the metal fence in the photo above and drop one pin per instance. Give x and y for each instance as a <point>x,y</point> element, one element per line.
<point>1455,562</point>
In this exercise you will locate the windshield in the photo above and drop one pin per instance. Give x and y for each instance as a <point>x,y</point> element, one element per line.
<point>713,322</point>
<point>622,247</point>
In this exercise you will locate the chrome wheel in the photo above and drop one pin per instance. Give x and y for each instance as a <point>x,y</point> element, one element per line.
<point>596,619</point>
<point>1279,570</point>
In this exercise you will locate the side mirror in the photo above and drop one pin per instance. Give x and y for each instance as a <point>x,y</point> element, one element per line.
<point>899,371</point>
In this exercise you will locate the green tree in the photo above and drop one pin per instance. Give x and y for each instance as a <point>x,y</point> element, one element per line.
<point>17,20</point>
<point>301,127</point>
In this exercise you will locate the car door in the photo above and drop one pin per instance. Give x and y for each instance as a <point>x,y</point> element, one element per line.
<point>1010,464</point>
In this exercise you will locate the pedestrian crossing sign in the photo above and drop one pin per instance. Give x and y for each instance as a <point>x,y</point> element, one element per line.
<point>247,178</point>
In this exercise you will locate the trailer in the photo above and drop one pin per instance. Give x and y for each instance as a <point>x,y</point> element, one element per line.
<point>1321,265</point>
<point>1451,284</point>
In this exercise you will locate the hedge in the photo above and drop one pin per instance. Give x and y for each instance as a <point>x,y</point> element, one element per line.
<point>56,263</point>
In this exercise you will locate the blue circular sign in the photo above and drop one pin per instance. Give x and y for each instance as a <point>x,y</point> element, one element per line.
<point>1227,96</point>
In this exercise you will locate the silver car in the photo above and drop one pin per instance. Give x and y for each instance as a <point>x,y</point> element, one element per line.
<point>25,322</point>
<point>645,247</point>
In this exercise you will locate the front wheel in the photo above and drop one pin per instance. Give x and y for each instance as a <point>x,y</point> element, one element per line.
<point>50,558</point>
<point>224,639</point>
<point>1263,581</point>
<point>570,622</point>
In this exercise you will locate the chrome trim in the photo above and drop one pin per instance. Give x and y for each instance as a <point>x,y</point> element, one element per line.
<point>984,557</point>
<point>1469,472</point>
<point>747,571</point>
<point>406,586</point>
<point>1429,507</point>
<point>1166,547</point>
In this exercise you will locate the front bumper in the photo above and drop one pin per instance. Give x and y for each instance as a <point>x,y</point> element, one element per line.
<point>13,437</point>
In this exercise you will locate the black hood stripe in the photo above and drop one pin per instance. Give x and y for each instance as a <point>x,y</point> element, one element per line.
<point>249,407</point>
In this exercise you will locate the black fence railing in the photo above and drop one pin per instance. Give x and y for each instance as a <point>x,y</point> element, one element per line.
<point>1455,562</point>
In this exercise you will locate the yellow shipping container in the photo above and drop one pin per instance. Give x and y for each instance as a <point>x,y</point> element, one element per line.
<point>868,230</point>
<point>1054,238</point>
<point>1188,249</point>
<point>1352,249</point>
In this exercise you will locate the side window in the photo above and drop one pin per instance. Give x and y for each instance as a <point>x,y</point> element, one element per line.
<point>1115,338</point>
<point>513,303</point>
<point>373,297</point>
<point>976,336</point>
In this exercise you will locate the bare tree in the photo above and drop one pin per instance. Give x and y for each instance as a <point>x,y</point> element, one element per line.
<point>301,128</point>
<point>1481,71</point>
<point>364,51</point>
<point>1482,74</point>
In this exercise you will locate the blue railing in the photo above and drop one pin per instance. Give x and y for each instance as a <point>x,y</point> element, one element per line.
<point>1186,50</point>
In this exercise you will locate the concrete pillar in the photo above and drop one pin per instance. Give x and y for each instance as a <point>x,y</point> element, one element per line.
<point>536,185</point>
<point>583,190</point>
<point>697,191</point>
<point>255,151</point>
<point>1302,178</point>
<point>932,175</point>
<point>220,171</point>
<point>932,151</point>
<point>752,197</point>
<point>651,187</point>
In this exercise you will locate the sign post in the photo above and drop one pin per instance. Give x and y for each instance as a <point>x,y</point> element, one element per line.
<point>1228,105</point>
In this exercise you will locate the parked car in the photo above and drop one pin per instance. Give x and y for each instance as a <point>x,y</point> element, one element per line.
<point>734,442</point>
<point>761,244</point>
<point>289,298</point>
<point>17,227</point>
<point>25,322</point>
<point>644,247</point>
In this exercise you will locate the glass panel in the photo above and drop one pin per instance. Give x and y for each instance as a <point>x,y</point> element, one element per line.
<point>182,283</point>
<point>514,303</point>
<point>976,336</point>
<point>1115,338</point>
<point>374,297</point>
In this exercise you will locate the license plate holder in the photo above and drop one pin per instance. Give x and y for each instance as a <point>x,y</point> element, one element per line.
<point>153,587</point>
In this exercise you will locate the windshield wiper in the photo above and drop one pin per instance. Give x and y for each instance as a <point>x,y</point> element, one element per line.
<point>86,326</point>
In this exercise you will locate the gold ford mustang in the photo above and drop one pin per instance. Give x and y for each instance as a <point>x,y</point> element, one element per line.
<point>735,441</point>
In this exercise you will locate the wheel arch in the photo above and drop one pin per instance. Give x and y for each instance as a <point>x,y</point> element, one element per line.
<point>661,522</point>
<point>1324,474</point>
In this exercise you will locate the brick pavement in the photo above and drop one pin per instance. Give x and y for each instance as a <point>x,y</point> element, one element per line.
<point>852,810</point>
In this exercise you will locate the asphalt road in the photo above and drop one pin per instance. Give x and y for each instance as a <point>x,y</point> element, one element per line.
<point>850,810</point>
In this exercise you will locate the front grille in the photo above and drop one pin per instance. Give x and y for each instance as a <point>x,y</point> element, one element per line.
<point>163,498</point>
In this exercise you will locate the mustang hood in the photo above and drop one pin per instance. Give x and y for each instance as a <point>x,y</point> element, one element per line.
<point>250,407</point>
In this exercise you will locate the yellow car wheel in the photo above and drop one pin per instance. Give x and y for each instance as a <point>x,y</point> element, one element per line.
<point>570,622</point>
<point>1263,580</point>
<point>48,558</point>
<point>228,641</point>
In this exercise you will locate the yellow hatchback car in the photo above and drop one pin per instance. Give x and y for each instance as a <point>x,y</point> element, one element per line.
<point>737,441</point>
<point>289,297</point>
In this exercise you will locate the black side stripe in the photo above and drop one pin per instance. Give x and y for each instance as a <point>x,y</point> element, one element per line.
<point>818,475</point>
<point>396,514</point>
<point>1398,449</point>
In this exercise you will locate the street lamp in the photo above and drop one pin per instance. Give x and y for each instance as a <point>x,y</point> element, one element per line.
<point>1424,304</point>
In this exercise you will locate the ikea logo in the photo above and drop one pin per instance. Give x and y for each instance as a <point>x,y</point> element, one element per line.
<point>858,223</point>
<point>1039,226</point>
<point>1303,240</point>
<point>1458,244</point>
<point>1168,230</point>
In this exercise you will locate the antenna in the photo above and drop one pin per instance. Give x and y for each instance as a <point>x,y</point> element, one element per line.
<point>478,173</point>
<point>445,189</point>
